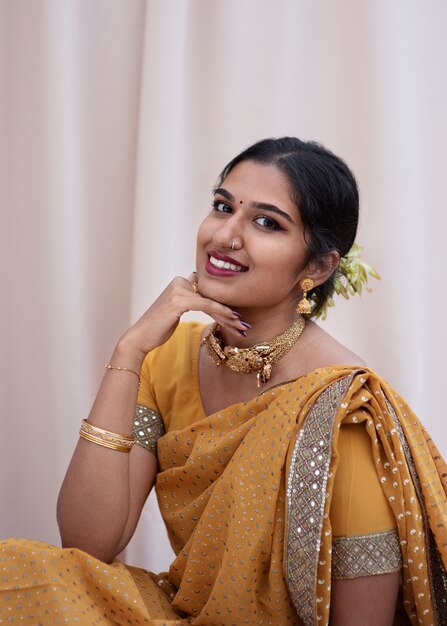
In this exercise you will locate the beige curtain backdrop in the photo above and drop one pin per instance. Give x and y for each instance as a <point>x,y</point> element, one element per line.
<point>115,119</point>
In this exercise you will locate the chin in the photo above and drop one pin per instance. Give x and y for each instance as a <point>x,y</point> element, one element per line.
<point>218,293</point>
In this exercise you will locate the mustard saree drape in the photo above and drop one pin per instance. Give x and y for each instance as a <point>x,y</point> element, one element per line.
<point>246,494</point>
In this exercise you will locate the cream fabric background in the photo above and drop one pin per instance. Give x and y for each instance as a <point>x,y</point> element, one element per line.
<point>115,119</point>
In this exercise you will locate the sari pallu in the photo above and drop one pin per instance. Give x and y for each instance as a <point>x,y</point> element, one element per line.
<point>246,497</point>
<point>245,494</point>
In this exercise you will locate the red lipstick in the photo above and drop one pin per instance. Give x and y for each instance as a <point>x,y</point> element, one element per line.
<point>221,271</point>
<point>225,257</point>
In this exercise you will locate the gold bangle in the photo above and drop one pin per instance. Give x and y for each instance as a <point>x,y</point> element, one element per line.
<point>105,437</point>
<point>122,369</point>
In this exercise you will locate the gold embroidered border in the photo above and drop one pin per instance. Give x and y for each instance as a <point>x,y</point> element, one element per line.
<point>366,555</point>
<point>306,492</point>
<point>147,428</point>
<point>437,571</point>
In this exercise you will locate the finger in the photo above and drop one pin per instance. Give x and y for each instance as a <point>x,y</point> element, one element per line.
<point>237,330</point>
<point>193,300</point>
<point>224,315</point>
<point>192,278</point>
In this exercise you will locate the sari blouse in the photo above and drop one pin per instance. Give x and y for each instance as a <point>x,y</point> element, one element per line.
<point>330,475</point>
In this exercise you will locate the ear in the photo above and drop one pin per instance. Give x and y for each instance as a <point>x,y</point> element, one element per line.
<point>321,269</point>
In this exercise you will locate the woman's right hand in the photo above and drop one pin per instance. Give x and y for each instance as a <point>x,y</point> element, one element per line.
<point>161,319</point>
<point>104,491</point>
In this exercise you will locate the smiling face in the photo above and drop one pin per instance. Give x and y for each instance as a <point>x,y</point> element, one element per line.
<point>253,211</point>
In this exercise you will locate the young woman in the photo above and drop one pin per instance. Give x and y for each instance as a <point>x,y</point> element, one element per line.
<point>296,486</point>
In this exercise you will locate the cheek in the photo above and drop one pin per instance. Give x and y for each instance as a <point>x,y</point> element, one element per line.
<point>289,264</point>
<point>202,241</point>
<point>202,233</point>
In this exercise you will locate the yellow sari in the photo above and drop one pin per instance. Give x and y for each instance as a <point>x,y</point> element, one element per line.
<point>246,497</point>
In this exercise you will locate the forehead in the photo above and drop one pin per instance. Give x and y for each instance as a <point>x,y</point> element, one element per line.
<point>250,181</point>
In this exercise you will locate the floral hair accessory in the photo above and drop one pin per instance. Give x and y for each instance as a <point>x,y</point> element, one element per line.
<point>350,277</point>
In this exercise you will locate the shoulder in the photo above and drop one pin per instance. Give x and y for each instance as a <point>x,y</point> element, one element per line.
<point>169,375</point>
<point>183,343</point>
<point>338,354</point>
<point>186,332</point>
<point>320,349</point>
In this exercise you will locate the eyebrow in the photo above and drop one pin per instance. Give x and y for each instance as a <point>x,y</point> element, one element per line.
<point>263,206</point>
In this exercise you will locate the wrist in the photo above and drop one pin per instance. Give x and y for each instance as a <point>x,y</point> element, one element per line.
<point>127,355</point>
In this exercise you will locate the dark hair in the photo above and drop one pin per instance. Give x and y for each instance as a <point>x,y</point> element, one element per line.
<point>324,190</point>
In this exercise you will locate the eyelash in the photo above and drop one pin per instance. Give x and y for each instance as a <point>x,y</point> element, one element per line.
<point>274,224</point>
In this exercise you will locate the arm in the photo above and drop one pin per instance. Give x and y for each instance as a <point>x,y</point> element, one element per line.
<point>104,490</point>
<point>369,600</point>
<point>360,509</point>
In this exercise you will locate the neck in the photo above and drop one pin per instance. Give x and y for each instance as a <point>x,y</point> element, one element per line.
<point>265,325</point>
<point>254,358</point>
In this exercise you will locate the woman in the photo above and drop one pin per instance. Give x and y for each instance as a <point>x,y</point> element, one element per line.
<point>296,486</point>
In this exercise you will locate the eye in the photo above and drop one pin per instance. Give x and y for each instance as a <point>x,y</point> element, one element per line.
<point>221,207</point>
<point>267,223</point>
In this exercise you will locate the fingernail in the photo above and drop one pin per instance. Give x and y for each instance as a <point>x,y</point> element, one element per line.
<point>242,332</point>
<point>246,324</point>
<point>236,314</point>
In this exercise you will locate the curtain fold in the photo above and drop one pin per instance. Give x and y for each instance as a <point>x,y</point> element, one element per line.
<point>70,84</point>
<point>115,120</point>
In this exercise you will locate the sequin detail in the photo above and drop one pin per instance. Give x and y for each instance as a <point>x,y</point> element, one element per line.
<point>147,428</point>
<point>306,490</point>
<point>366,555</point>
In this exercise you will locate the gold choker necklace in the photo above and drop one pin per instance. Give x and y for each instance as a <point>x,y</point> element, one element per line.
<point>259,358</point>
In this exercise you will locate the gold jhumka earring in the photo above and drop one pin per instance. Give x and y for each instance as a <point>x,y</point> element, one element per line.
<point>304,307</point>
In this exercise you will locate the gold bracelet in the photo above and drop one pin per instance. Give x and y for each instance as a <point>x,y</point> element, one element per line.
<point>122,369</point>
<point>105,437</point>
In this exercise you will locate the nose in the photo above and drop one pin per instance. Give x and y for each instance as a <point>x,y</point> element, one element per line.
<point>227,243</point>
<point>229,235</point>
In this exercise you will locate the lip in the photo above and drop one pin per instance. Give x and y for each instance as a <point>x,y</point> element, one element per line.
<point>220,271</point>
<point>224,257</point>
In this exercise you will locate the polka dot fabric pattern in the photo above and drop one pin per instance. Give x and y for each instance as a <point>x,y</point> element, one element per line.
<point>223,493</point>
<point>42,584</point>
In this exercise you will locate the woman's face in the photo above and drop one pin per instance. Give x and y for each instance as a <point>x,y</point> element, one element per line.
<point>254,210</point>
